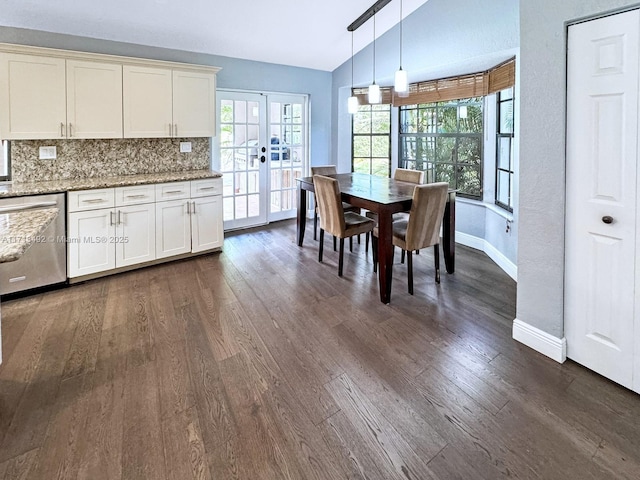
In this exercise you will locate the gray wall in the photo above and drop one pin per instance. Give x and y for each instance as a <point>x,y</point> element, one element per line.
<point>441,38</point>
<point>543,25</point>
<point>235,74</point>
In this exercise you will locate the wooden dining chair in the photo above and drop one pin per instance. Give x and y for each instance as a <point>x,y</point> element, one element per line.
<point>328,170</point>
<point>402,175</point>
<point>422,228</point>
<point>334,219</point>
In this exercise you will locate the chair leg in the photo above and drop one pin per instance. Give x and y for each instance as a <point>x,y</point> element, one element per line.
<point>358,239</point>
<point>402,256</point>
<point>351,244</point>
<point>321,245</point>
<point>315,225</point>
<point>436,254</point>
<point>334,244</point>
<point>341,260</point>
<point>410,270</point>
<point>374,252</point>
<point>366,243</point>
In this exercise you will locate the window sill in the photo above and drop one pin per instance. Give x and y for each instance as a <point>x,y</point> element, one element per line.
<point>489,206</point>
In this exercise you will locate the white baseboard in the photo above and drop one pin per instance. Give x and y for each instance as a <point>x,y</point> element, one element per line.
<point>492,252</point>
<point>553,347</point>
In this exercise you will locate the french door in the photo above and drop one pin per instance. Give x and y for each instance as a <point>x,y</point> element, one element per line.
<point>262,144</point>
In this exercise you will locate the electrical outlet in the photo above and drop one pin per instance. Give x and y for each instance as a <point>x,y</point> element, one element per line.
<point>185,147</point>
<point>47,153</point>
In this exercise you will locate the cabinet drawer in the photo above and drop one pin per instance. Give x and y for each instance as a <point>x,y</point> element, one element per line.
<point>206,187</point>
<point>135,195</point>
<point>172,191</point>
<point>91,199</point>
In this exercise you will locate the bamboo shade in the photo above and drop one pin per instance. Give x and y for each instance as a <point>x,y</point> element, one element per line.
<point>363,98</point>
<point>502,76</point>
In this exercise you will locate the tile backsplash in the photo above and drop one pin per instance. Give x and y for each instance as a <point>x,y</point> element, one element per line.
<point>106,158</point>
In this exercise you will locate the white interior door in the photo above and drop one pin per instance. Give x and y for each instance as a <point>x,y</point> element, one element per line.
<point>601,308</point>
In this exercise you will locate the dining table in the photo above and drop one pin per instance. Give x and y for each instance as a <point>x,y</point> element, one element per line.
<point>384,196</point>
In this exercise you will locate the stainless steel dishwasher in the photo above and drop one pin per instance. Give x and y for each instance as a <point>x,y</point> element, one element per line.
<point>45,263</point>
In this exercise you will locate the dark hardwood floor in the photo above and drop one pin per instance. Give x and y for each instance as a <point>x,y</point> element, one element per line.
<point>260,363</point>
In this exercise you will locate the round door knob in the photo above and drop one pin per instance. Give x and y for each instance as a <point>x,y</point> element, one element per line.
<point>263,159</point>
<point>607,219</point>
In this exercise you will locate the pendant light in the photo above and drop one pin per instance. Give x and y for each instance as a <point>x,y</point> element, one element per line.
<point>401,85</point>
<point>374,89</point>
<point>352,102</point>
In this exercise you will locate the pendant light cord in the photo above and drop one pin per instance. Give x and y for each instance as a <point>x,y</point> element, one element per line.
<point>352,62</point>
<point>400,34</point>
<point>374,48</point>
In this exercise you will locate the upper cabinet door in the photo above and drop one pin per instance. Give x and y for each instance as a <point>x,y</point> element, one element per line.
<point>194,104</point>
<point>147,95</point>
<point>32,96</point>
<point>94,99</point>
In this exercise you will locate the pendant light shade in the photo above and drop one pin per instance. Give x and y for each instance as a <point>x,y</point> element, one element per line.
<point>352,102</point>
<point>374,89</point>
<point>401,84</point>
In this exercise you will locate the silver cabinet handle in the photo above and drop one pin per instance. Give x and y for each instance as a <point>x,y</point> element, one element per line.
<point>188,208</point>
<point>194,208</point>
<point>119,218</point>
<point>206,188</point>
<point>111,218</point>
<point>62,129</point>
<point>173,192</point>
<point>94,200</point>
<point>175,129</point>
<point>70,131</point>
<point>136,196</point>
<point>171,130</point>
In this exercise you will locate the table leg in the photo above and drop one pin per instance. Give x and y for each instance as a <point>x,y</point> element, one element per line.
<point>449,233</point>
<point>302,214</point>
<point>385,255</point>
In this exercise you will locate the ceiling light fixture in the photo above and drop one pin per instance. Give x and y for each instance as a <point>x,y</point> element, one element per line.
<point>401,84</point>
<point>352,102</point>
<point>374,89</point>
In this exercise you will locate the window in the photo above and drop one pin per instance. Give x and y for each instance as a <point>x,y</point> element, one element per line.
<point>372,140</point>
<point>445,140</point>
<point>504,150</point>
<point>4,160</point>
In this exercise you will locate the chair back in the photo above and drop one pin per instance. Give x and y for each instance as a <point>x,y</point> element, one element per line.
<point>327,192</point>
<point>324,170</point>
<point>425,217</point>
<point>410,176</point>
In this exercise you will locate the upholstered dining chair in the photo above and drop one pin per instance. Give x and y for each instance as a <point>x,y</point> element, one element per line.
<point>334,219</point>
<point>402,175</point>
<point>328,170</point>
<point>422,228</point>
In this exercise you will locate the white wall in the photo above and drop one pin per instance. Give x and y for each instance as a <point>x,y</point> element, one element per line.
<point>543,27</point>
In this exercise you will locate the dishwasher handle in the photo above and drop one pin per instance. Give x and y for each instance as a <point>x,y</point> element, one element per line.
<point>26,206</point>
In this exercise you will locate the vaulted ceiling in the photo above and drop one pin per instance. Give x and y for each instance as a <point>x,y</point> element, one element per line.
<point>303,33</point>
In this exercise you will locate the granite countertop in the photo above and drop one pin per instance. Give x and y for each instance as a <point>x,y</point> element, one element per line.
<point>19,230</point>
<point>18,189</point>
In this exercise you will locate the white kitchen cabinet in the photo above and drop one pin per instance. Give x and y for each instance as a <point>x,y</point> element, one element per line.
<point>94,99</point>
<point>89,249</point>
<point>32,97</point>
<point>160,102</point>
<point>173,228</point>
<point>194,104</point>
<point>135,238</point>
<point>147,102</point>
<point>50,97</point>
<point>206,223</point>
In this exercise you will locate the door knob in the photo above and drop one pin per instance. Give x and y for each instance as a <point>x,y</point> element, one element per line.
<point>263,159</point>
<point>607,219</point>
<point>263,149</point>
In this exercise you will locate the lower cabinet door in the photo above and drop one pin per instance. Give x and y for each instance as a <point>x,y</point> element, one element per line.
<point>90,244</point>
<point>206,223</point>
<point>173,228</point>
<point>135,239</point>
